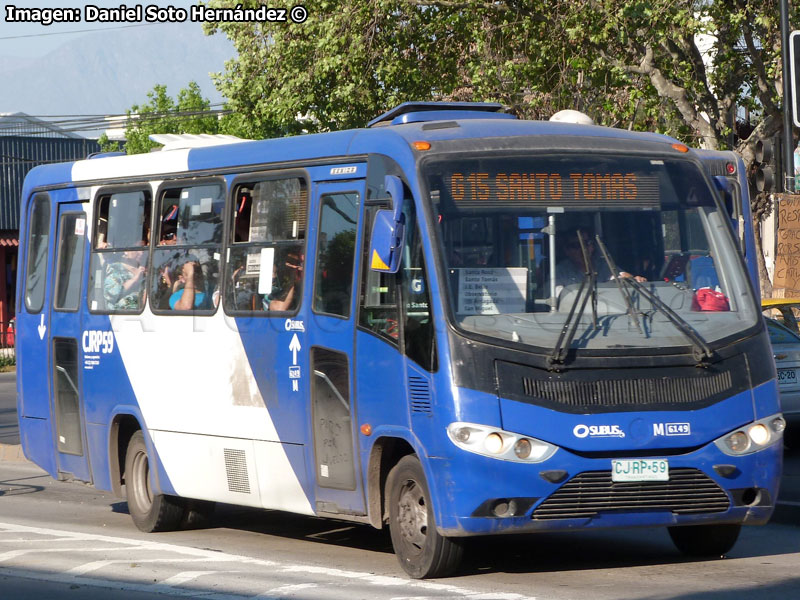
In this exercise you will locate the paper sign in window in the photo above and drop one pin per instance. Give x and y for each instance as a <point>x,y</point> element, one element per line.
<point>253,266</point>
<point>265,277</point>
<point>492,291</point>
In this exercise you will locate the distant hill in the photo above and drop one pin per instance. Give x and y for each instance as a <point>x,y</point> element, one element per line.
<point>107,72</point>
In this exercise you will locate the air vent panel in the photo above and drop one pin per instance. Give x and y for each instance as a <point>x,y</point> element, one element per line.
<point>236,471</point>
<point>420,393</point>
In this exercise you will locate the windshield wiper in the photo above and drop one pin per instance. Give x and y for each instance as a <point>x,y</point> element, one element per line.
<point>612,267</point>
<point>700,350</point>
<point>561,348</point>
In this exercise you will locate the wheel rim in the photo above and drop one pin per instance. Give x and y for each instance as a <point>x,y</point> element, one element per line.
<point>413,515</point>
<point>142,494</point>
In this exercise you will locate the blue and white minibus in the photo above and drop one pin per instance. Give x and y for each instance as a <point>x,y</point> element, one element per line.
<point>452,322</point>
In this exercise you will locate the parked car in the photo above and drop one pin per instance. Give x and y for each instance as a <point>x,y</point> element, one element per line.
<point>786,353</point>
<point>783,310</point>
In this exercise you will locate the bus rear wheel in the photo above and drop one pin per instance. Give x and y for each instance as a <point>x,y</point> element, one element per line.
<point>420,549</point>
<point>704,540</point>
<point>150,512</point>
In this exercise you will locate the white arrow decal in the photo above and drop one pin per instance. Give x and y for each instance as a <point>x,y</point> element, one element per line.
<point>294,346</point>
<point>42,328</point>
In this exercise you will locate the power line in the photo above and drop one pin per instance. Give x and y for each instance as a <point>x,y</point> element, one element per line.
<point>33,35</point>
<point>76,123</point>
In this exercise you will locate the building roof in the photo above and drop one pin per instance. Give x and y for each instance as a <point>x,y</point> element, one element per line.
<point>22,124</point>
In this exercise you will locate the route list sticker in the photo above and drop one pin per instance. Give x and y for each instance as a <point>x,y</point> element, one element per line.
<point>492,291</point>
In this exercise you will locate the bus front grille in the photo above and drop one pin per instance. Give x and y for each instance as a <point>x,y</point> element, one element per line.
<point>688,491</point>
<point>620,392</point>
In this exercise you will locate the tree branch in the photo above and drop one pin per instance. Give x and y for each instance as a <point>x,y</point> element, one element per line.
<point>671,91</point>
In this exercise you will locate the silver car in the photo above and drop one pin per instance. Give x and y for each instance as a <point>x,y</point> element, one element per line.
<point>786,352</point>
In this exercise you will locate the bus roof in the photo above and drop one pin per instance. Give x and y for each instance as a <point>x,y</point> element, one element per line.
<point>393,140</point>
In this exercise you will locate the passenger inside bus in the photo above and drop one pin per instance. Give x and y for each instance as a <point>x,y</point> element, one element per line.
<point>123,286</point>
<point>285,284</point>
<point>572,267</point>
<point>124,270</point>
<point>188,288</point>
<point>169,227</point>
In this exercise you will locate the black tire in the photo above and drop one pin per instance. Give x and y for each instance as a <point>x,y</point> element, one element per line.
<point>704,540</point>
<point>420,549</point>
<point>150,512</point>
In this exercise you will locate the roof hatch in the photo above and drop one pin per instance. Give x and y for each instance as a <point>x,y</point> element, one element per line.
<point>414,112</point>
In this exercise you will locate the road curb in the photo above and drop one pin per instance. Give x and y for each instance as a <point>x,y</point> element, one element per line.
<point>12,453</point>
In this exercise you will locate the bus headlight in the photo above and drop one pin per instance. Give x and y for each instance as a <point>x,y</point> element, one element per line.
<point>498,443</point>
<point>753,437</point>
<point>523,448</point>
<point>759,434</point>
<point>493,443</point>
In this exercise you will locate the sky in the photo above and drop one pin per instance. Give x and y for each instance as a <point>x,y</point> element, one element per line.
<point>35,40</point>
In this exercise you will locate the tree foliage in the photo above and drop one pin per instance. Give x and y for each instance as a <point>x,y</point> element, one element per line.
<point>705,71</point>
<point>639,64</point>
<point>188,113</point>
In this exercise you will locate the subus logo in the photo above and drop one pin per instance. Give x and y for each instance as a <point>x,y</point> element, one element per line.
<point>291,325</point>
<point>98,341</point>
<point>672,429</point>
<point>582,431</point>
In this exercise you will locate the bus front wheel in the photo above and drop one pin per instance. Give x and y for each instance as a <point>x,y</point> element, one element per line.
<point>150,512</point>
<point>420,549</point>
<point>704,540</point>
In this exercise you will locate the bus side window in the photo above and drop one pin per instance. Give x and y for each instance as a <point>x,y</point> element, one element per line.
<point>420,341</point>
<point>118,266</point>
<point>378,312</point>
<point>185,270</point>
<point>266,261</point>
<point>333,280</point>
<point>38,242</point>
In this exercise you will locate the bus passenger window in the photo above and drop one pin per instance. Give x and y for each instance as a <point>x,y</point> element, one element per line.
<point>186,258</point>
<point>267,250</point>
<point>118,266</point>
<point>38,242</point>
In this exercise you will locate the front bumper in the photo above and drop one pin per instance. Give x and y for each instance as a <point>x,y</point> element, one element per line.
<point>481,495</point>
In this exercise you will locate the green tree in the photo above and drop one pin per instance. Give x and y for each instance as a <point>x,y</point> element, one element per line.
<point>639,64</point>
<point>689,68</point>
<point>107,145</point>
<point>188,113</point>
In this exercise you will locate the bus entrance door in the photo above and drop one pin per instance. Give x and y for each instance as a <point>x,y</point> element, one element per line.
<point>65,342</point>
<point>331,334</point>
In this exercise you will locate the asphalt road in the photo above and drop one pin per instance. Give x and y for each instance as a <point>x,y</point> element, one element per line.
<point>68,540</point>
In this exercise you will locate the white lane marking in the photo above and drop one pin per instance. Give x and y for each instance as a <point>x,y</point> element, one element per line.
<point>30,541</point>
<point>284,591</point>
<point>182,578</point>
<point>16,553</point>
<point>101,564</point>
<point>212,556</point>
<point>117,585</point>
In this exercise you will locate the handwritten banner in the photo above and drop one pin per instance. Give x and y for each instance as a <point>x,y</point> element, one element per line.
<point>786,282</point>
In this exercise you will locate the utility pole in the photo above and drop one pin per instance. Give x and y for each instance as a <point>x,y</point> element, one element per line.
<point>788,146</point>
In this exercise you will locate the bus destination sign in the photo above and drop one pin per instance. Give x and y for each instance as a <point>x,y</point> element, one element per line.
<point>553,188</point>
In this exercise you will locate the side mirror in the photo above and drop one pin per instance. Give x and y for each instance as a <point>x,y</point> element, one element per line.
<point>388,231</point>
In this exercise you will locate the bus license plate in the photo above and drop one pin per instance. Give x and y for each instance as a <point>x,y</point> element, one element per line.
<point>787,375</point>
<point>640,469</point>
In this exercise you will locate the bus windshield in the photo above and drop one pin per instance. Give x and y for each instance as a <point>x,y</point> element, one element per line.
<point>635,247</point>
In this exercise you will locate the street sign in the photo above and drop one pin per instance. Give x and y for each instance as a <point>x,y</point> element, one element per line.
<point>794,61</point>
